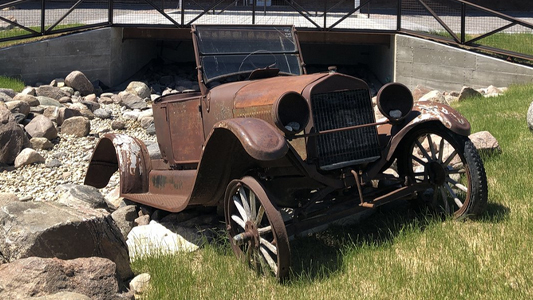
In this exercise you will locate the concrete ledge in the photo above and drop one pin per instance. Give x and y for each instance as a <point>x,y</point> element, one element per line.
<point>418,61</point>
<point>100,54</point>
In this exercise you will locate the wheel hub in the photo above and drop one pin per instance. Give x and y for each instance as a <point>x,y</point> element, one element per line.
<point>252,234</point>
<point>437,174</point>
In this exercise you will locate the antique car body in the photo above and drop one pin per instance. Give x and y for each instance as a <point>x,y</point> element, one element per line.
<point>261,135</point>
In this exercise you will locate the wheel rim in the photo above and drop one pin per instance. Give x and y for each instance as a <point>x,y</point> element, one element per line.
<point>437,159</point>
<point>256,230</point>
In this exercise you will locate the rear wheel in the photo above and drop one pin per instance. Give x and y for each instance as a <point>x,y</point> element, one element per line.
<point>256,229</point>
<point>451,164</point>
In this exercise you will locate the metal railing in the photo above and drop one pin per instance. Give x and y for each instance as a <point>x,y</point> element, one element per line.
<point>455,22</point>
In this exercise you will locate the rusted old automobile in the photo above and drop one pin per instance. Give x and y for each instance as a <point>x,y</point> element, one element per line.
<point>284,151</point>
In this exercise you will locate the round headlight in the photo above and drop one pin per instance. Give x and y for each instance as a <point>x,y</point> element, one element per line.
<point>395,101</point>
<point>291,113</point>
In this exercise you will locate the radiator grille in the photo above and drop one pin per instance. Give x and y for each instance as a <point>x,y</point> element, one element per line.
<point>343,109</point>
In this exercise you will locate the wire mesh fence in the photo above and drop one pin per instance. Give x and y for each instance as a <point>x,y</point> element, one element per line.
<point>455,20</point>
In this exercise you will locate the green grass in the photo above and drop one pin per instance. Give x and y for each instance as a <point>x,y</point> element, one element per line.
<point>398,253</point>
<point>12,83</point>
<point>15,32</point>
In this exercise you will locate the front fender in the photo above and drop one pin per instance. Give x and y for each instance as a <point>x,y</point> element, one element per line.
<point>261,140</point>
<point>124,153</point>
<point>425,112</point>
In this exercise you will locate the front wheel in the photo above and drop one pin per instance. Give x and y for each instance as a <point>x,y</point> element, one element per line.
<point>256,229</point>
<point>452,165</point>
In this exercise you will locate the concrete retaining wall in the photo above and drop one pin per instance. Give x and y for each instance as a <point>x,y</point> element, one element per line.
<point>100,54</point>
<point>442,67</point>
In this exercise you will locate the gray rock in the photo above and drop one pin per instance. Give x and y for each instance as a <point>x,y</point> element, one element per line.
<point>5,98</point>
<point>151,129</point>
<point>46,229</point>
<point>39,110</point>
<point>132,101</point>
<point>10,92</point>
<point>91,105</point>
<point>485,142</point>
<point>139,89</point>
<point>41,143</point>
<point>19,118</point>
<point>47,101</point>
<point>60,114</point>
<point>124,218</point>
<point>75,195</point>
<point>153,150</point>
<point>530,117</point>
<point>68,89</point>
<point>146,122</point>
<point>468,92</point>
<point>31,100</point>
<point>102,113</point>
<point>142,220</point>
<point>16,106</point>
<point>52,163</point>
<point>12,138</point>
<point>118,125</point>
<point>131,115</point>
<point>29,91</point>
<point>51,92</point>
<point>28,156</point>
<point>434,96</point>
<point>92,277</point>
<point>41,126</point>
<point>79,82</point>
<point>77,126</point>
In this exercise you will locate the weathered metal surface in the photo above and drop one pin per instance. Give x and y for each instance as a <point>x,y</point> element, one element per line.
<point>124,153</point>
<point>425,111</point>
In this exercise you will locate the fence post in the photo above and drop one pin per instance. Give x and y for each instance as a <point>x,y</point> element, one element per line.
<point>110,12</point>
<point>43,15</point>
<point>253,11</point>
<point>463,23</point>
<point>399,16</point>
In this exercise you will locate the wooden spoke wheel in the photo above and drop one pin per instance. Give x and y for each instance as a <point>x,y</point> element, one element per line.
<point>451,164</point>
<point>256,229</point>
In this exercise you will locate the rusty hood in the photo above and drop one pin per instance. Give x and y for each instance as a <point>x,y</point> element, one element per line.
<point>266,91</point>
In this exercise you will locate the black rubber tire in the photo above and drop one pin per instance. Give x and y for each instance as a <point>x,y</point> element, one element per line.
<point>474,201</point>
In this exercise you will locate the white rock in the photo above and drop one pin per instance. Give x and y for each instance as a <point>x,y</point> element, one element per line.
<point>156,239</point>
<point>140,283</point>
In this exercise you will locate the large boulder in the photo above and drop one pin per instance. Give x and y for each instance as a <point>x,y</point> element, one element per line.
<point>51,92</point>
<point>60,114</point>
<point>16,106</point>
<point>76,126</point>
<point>10,92</point>
<point>78,81</point>
<point>139,88</point>
<point>75,195</point>
<point>41,126</point>
<point>47,101</point>
<point>485,142</point>
<point>12,138</point>
<point>93,277</point>
<point>46,229</point>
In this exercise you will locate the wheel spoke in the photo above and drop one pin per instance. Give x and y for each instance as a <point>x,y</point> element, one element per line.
<point>260,214</point>
<point>239,207</point>
<point>417,159</point>
<point>253,206</point>
<point>264,229</point>
<point>457,184</point>
<point>424,152</point>
<point>449,159</point>
<point>456,171</point>
<point>269,246</point>
<point>454,196</point>
<point>244,201</point>
<point>269,260</point>
<point>238,220</point>
<point>441,150</point>
<point>432,148</point>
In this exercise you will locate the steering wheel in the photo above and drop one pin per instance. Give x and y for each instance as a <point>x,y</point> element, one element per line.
<point>270,65</point>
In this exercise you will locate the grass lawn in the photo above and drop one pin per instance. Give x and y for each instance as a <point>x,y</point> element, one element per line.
<point>398,253</point>
<point>11,83</point>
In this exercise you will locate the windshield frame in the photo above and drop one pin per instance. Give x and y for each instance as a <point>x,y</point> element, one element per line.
<point>285,45</point>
